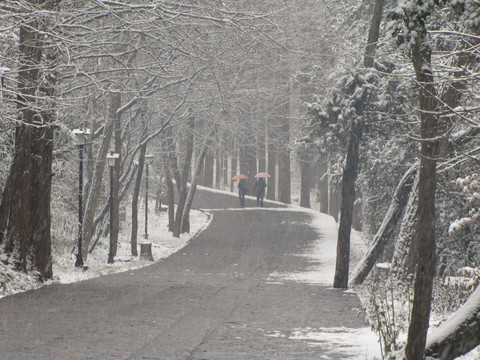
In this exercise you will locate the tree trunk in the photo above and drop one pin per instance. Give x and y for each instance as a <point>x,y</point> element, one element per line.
<point>93,196</point>
<point>351,166</point>
<point>25,210</point>
<point>261,153</point>
<point>348,199</point>
<point>305,182</point>
<point>193,185</point>
<point>233,164</point>
<point>170,200</point>
<point>225,155</point>
<point>373,33</point>
<point>218,168</point>
<point>173,160</point>
<point>184,178</point>
<point>334,195</point>
<point>284,164</point>
<point>28,241</point>
<point>208,169</point>
<point>381,238</point>
<point>39,251</point>
<point>136,192</point>
<point>158,200</point>
<point>272,163</point>
<point>459,334</point>
<point>224,180</point>
<point>404,259</point>
<point>116,180</point>
<point>313,172</point>
<point>322,185</point>
<point>251,166</point>
<point>424,239</point>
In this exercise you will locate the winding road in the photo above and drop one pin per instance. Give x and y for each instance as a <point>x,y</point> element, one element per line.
<point>214,299</point>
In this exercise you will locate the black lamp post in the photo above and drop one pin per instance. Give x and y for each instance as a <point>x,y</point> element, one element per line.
<point>148,161</point>
<point>81,135</point>
<point>111,160</point>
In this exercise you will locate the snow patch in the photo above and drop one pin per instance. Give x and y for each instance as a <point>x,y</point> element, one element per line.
<point>163,245</point>
<point>361,344</point>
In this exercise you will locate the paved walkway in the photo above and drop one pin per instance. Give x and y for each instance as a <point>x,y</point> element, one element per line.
<point>214,299</point>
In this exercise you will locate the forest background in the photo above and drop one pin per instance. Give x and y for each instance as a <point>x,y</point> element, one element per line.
<point>212,88</point>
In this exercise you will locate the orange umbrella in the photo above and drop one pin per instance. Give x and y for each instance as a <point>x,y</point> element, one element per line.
<point>239,176</point>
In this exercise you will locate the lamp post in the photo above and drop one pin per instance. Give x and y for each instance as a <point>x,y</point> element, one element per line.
<point>111,160</point>
<point>81,135</point>
<point>148,161</point>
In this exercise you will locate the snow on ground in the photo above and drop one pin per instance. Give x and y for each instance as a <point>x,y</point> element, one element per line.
<point>359,344</point>
<point>352,343</point>
<point>163,245</point>
<point>64,270</point>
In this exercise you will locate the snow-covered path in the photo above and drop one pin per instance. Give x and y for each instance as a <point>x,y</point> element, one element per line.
<point>238,291</point>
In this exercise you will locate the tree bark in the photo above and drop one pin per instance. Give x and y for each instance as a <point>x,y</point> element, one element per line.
<point>40,242</point>
<point>25,211</point>
<point>261,152</point>
<point>334,196</point>
<point>348,199</point>
<point>225,179</point>
<point>381,238</point>
<point>208,169</point>
<point>351,166</point>
<point>184,178</point>
<point>170,200</point>
<point>135,196</point>
<point>322,185</point>
<point>424,239</point>
<point>284,187</point>
<point>93,196</point>
<point>218,167</point>
<point>404,259</point>
<point>373,34</point>
<point>116,179</point>
<point>193,185</point>
<point>271,157</point>
<point>233,164</point>
<point>304,182</point>
<point>459,334</point>
<point>251,166</point>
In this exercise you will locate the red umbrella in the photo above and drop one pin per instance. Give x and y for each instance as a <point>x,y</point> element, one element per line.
<point>262,175</point>
<point>239,176</point>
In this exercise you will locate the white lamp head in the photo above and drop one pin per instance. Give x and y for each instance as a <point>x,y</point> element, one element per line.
<point>148,159</point>
<point>81,135</point>
<point>112,158</point>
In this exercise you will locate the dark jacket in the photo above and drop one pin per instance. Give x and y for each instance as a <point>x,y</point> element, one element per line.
<point>242,187</point>
<point>260,186</point>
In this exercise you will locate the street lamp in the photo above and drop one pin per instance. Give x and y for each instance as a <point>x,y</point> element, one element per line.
<point>148,161</point>
<point>111,160</point>
<point>82,135</point>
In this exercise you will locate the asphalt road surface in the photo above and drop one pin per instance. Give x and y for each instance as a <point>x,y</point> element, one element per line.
<point>211,300</point>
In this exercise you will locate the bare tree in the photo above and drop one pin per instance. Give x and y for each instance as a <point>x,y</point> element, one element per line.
<point>25,217</point>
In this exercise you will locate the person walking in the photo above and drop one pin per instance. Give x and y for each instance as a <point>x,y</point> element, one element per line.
<point>242,191</point>
<point>260,186</point>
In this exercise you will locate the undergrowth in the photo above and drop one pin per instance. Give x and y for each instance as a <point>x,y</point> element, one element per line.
<point>388,302</point>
